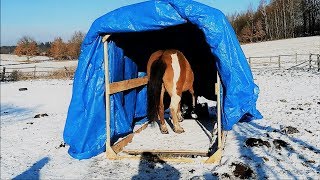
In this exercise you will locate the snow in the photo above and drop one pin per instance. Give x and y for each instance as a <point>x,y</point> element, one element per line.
<point>33,147</point>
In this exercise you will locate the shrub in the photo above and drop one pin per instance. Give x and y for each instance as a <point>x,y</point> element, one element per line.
<point>15,75</point>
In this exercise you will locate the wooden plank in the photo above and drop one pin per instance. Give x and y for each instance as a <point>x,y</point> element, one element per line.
<point>216,157</point>
<point>177,160</point>
<point>219,110</point>
<point>117,147</point>
<point>127,84</point>
<point>167,152</point>
<point>109,151</point>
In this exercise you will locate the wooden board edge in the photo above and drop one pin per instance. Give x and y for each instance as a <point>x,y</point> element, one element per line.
<point>119,86</point>
<point>176,160</point>
<point>215,158</point>
<point>167,152</point>
<point>118,146</point>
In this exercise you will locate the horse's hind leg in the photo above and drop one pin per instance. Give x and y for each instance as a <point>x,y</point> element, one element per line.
<point>193,114</point>
<point>175,101</point>
<point>179,113</point>
<point>163,127</point>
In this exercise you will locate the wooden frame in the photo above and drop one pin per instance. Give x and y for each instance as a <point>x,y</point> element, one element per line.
<point>112,151</point>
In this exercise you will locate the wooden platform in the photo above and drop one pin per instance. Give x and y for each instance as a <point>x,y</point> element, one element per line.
<point>195,140</point>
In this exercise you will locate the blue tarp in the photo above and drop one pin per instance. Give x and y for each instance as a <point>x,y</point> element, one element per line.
<point>85,128</point>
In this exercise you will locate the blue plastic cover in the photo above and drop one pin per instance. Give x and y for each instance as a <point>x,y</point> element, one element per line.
<point>85,128</point>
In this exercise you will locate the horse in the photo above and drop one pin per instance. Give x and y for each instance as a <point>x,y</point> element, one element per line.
<point>168,71</point>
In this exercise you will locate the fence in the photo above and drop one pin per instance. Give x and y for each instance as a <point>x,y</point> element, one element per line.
<point>33,72</point>
<point>302,61</point>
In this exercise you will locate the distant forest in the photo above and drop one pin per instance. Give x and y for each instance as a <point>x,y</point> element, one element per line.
<point>43,48</point>
<point>278,19</point>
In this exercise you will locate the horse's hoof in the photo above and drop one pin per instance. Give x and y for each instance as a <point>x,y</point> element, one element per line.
<point>164,131</point>
<point>179,131</point>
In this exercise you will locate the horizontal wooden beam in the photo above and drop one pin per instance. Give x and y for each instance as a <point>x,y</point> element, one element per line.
<point>127,84</point>
<point>167,152</point>
<point>176,160</point>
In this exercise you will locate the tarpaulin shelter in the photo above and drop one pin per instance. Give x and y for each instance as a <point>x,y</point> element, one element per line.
<point>137,31</point>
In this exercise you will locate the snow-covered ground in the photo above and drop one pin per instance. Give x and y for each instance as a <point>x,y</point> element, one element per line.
<point>289,134</point>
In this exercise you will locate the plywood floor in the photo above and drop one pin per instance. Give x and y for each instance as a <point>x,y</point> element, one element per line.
<point>197,137</point>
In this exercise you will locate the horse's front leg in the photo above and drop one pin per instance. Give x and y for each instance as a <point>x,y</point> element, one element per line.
<point>175,101</point>
<point>163,127</point>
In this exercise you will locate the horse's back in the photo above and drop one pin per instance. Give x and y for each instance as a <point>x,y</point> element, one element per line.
<point>182,67</point>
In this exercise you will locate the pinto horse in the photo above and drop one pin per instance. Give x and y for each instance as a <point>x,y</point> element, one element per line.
<point>168,70</point>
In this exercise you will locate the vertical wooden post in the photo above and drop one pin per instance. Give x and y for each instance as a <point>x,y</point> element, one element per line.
<point>318,61</point>
<point>3,73</point>
<point>34,72</point>
<point>216,157</point>
<point>279,64</point>
<point>310,60</point>
<point>219,112</point>
<point>109,151</point>
<point>250,62</point>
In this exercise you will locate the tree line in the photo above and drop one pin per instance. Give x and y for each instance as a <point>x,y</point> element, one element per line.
<point>278,19</point>
<point>58,49</point>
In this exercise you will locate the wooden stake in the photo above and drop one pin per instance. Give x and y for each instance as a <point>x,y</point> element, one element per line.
<point>109,151</point>
<point>318,61</point>
<point>34,72</point>
<point>310,60</point>
<point>216,157</point>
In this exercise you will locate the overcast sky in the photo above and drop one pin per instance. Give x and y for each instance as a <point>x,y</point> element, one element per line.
<point>44,20</point>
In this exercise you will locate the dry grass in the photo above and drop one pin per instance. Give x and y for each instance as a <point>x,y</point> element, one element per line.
<point>66,73</point>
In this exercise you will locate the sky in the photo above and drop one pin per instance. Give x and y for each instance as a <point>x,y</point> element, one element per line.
<point>44,20</point>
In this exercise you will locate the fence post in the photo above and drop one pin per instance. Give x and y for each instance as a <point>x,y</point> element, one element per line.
<point>279,61</point>
<point>318,61</point>
<point>310,59</point>
<point>296,58</point>
<point>3,73</point>
<point>66,72</point>
<point>34,72</point>
<point>250,62</point>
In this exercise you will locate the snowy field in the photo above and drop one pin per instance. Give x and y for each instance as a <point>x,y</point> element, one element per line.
<point>42,63</point>
<point>286,144</point>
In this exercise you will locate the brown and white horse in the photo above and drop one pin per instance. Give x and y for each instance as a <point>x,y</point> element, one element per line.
<point>168,70</point>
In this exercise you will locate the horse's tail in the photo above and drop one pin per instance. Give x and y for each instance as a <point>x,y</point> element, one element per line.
<point>157,70</point>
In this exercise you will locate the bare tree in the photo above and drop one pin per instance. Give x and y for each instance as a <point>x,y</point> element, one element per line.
<point>260,34</point>
<point>74,45</point>
<point>263,10</point>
